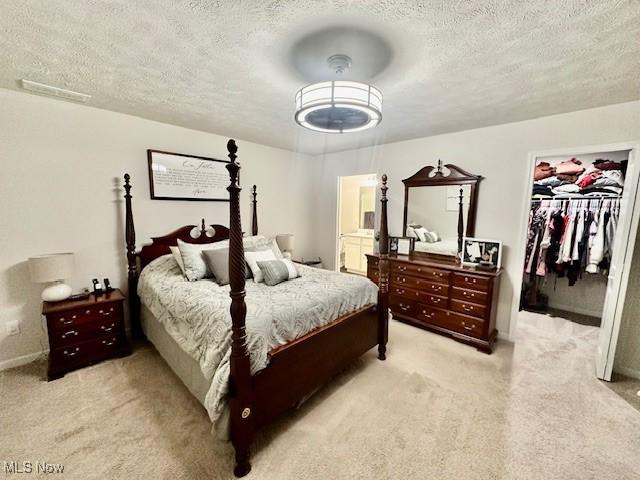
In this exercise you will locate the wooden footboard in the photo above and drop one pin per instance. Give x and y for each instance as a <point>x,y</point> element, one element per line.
<point>299,367</point>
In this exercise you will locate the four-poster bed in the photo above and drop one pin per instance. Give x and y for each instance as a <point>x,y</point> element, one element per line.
<point>296,368</point>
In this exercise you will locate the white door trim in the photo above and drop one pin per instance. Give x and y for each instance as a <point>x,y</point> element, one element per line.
<point>629,233</point>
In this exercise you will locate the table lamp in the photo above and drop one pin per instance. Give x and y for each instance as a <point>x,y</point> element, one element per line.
<point>286,242</point>
<point>52,268</point>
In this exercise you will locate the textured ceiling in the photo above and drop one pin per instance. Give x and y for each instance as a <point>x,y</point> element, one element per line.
<point>228,66</point>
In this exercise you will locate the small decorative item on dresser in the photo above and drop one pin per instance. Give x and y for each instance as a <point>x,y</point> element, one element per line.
<point>286,243</point>
<point>401,245</point>
<point>97,287</point>
<point>482,253</point>
<point>52,268</point>
<point>86,331</point>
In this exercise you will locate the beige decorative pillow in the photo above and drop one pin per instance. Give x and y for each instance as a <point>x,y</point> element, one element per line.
<point>175,251</point>
<point>253,258</point>
<point>195,268</point>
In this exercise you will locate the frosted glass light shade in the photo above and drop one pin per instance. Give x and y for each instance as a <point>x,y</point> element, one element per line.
<point>338,106</point>
<point>51,267</point>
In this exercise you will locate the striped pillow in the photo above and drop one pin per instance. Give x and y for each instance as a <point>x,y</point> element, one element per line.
<point>277,271</point>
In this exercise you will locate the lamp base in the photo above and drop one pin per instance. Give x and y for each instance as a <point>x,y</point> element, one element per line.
<point>56,292</point>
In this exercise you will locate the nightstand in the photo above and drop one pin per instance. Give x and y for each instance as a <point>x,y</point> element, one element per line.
<point>83,332</point>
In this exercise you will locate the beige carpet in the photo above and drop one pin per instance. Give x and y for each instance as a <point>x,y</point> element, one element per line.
<point>435,409</point>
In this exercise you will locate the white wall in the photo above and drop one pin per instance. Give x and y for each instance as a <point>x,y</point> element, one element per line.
<point>60,190</point>
<point>499,153</point>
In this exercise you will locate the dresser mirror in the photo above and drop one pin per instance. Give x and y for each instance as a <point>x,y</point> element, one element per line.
<point>440,209</point>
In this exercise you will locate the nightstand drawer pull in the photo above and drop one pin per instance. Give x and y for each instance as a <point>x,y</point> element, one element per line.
<point>109,343</point>
<point>65,321</point>
<point>68,334</point>
<point>105,328</point>
<point>71,354</point>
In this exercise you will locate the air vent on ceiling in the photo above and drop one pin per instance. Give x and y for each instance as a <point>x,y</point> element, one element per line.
<point>54,91</point>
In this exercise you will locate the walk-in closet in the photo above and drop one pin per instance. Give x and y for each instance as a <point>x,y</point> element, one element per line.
<point>574,213</point>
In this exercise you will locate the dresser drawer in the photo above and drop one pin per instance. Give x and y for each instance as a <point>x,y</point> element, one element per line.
<point>373,274</point>
<point>481,298</point>
<point>429,314</point>
<point>85,331</point>
<point>464,324</point>
<point>406,281</point>
<point>73,318</point>
<point>402,305</point>
<point>426,273</point>
<point>475,282</point>
<point>468,308</point>
<point>435,288</point>
<point>404,292</point>
<point>434,300</point>
<point>88,352</point>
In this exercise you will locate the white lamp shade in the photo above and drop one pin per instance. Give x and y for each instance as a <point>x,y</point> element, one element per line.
<point>285,242</point>
<point>51,267</point>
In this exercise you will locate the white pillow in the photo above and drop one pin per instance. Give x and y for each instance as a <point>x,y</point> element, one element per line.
<point>195,268</point>
<point>411,232</point>
<point>422,234</point>
<point>253,258</point>
<point>175,251</point>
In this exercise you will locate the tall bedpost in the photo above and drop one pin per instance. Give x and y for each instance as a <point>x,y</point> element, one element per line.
<point>254,204</point>
<point>240,380</point>
<point>132,263</point>
<point>460,223</point>
<point>383,287</point>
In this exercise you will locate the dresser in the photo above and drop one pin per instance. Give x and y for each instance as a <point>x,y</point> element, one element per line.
<point>83,332</point>
<point>443,297</point>
<point>356,247</point>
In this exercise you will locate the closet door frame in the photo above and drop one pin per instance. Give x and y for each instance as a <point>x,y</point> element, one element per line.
<point>621,260</point>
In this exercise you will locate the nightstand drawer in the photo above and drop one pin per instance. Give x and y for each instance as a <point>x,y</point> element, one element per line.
<point>72,318</point>
<point>88,352</point>
<point>85,331</point>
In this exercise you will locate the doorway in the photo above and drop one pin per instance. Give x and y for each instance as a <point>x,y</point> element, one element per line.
<point>356,221</point>
<point>578,234</point>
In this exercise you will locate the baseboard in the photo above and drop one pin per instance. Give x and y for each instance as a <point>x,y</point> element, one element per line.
<point>629,372</point>
<point>22,360</point>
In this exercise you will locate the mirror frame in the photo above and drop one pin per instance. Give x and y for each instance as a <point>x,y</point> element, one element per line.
<point>456,176</point>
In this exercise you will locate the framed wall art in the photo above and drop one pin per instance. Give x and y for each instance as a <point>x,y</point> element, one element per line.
<point>176,176</point>
<point>482,253</point>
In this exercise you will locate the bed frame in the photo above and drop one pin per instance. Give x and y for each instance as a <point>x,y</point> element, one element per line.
<point>295,369</point>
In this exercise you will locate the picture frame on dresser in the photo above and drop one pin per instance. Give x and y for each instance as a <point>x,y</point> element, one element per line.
<point>401,245</point>
<point>482,253</point>
<point>178,176</point>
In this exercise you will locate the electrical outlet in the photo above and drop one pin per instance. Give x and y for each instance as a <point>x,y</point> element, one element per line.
<point>13,327</point>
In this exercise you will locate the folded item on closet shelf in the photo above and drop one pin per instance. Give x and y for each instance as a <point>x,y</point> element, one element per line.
<point>588,178</point>
<point>550,181</point>
<point>598,191</point>
<point>610,178</point>
<point>570,167</point>
<point>566,188</point>
<point>542,190</point>
<point>568,178</point>
<point>603,164</point>
<point>543,170</point>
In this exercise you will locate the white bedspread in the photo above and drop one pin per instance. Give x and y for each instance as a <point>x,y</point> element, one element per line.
<point>196,315</point>
<point>443,247</point>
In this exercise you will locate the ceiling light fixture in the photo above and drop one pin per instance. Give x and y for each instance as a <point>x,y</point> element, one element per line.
<point>338,106</point>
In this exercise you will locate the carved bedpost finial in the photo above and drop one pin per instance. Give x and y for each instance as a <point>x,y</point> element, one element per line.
<point>232,148</point>
<point>127,185</point>
<point>254,217</point>
<point>203,227</point>
<point>439,169</point>
<point>132,261</point>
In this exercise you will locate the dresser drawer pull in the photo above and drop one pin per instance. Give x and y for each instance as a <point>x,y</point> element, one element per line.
<point>469,280</point>
<point>436,287</point>
<point>464,325</point>
<point>400,291</point>
<point>109,343</point>
<point>426,314</point>
<point>404,307</point>
<point>466,308</point>
<point>468,294</point>
<point>65,321</point>
<point>401,279</point>
<point>104,328</point>
<point>87,311</point>
<point>402,269</point>
<point>71,354</point>
<point>435,299</point>
<point>68,334</point>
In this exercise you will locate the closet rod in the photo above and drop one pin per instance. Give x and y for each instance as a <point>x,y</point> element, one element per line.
<point>568,199</point>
